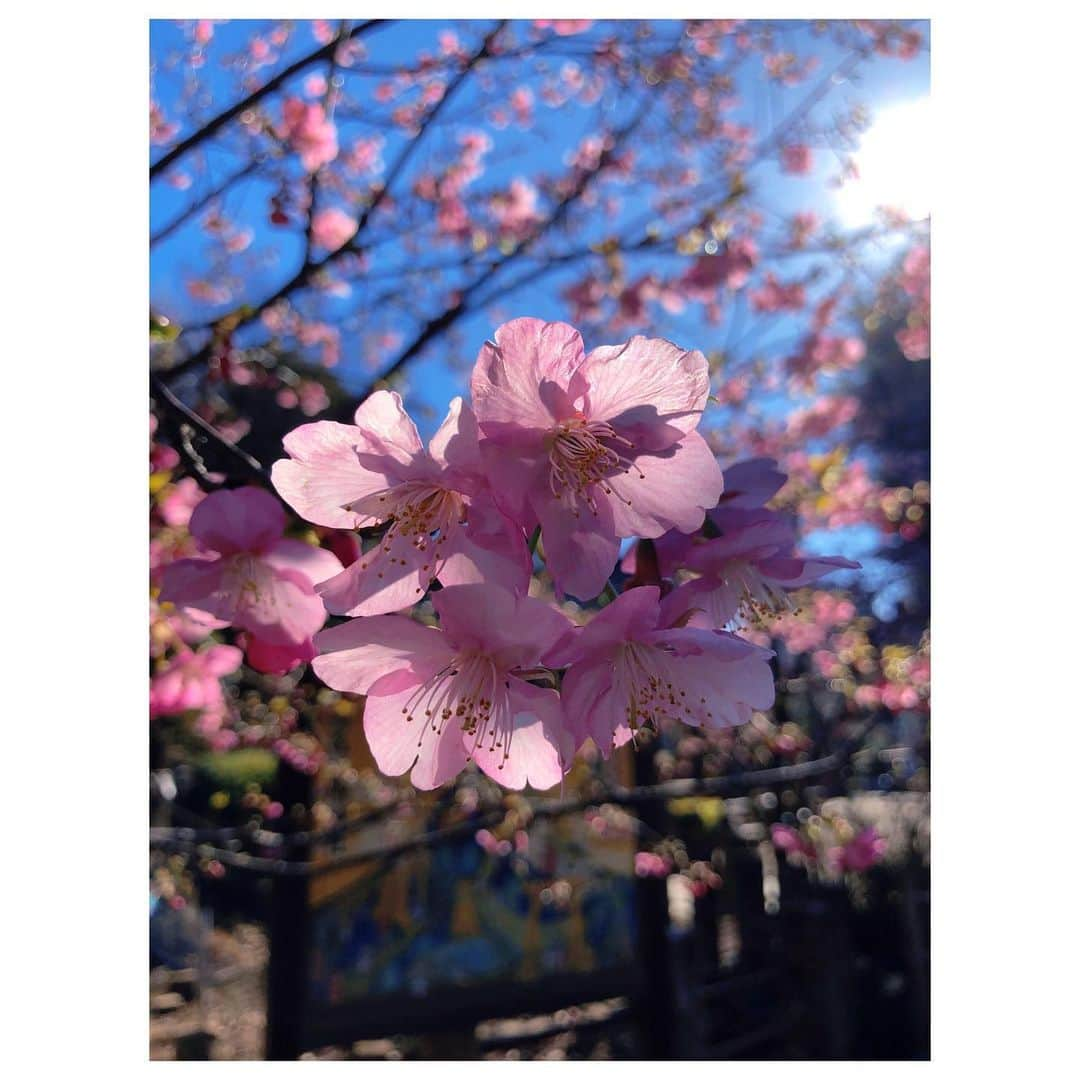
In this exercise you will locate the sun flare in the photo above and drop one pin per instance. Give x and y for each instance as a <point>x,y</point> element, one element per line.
<point>893,165</point>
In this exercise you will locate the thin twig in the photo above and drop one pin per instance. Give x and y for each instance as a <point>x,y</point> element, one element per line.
<point>186,416</point>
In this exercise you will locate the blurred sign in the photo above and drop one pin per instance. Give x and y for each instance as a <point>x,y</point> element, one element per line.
<point>469,929</point>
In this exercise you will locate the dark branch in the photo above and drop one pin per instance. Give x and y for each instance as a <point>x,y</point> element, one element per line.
<point>309,268</point>
<point>717,786</point>
<point>218,122</point>
<point>184,416</point>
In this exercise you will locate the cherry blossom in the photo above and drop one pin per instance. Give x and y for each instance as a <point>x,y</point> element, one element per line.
<point>593,448</point>
<point>629,668</point>
<point>440,519</point>
<point>437,698</point>
<point>250,576</point>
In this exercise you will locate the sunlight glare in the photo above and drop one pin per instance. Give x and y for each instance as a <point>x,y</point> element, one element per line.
<point>893,163</point>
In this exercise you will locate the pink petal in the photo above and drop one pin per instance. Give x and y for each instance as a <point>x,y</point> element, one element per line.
<point>277,659</point>
<point>315,563</point>
<point>513,476</point>
<point>245,519</point>
<point>581,550</point>
<point>750,543</point>
<point>395,742</point>
<point>383,419</point>
<point>537,755</point>
<point>377,583</point>
<point>279,606</point>
<point>649,389</point>
<point>490,548</point>
<point>507,378</point>
<point>582,689</point>
<point>720,646</point>
<point>324,474</point>
<point>679,485</point>
<point>439,759</point>
<point>800,570</point>
<point>221,660</point>
<point>713,596</point>
<point>751,483</point>
<point>190,582</point>
<point>520,629</point>
<point>731,690</point>
<point>455,445</point>
<point>357,654</point>
<point>628,616</point>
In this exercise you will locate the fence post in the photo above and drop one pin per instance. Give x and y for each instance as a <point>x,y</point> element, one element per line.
<point>287,973</point>
<point>657,1014</point>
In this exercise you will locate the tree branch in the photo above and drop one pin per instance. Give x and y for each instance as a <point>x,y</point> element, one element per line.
<point>185,416</point>
<point>213,126</point>
<point>308,268</point>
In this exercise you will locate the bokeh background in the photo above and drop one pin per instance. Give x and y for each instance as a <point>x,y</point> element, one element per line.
<point>341,206</point>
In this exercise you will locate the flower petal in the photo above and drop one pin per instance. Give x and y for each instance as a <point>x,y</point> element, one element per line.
<point>671,489</point>
<point>243,519</point>
<point>323,474</point>
<point>357,654</point>
<point>315,563</point>
<point>519,629</point>
<point>751,483</point>
<point>277,659</point>
<point>507,380</point>
<point>191,582</point>
<point>650,390</point>
<point>712,595</point>
<point>279,606</point>
<point>581,549</point>
<point>489,548</point>
<point>383,420</point>
<point>379,581</point>
<point>455,445</point>
<point>628,616</point>
<point>801,570</point>
<point>538,755</point>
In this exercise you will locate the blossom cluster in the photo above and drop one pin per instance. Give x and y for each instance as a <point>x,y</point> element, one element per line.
<point>557,461</point>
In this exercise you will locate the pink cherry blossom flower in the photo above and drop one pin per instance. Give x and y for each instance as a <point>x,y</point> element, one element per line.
<point>751,483</point>
<point>792,842</point>
<point>563,27</point>
<point>730,268</point>
<point>332,228</point>
<point>178,504</point>
<point>515,209</point>
<point>748,485</point>
<point>309,132</point>
<point>442,522</point>
<point>628,667</point>
<point>776,296</point>
<point>594,447</point>
<point>914,342</point>
<point>803,225</point>
<point>748,568</point>
<point>649,864</point>
<point>797,159</point>
<point>273,659</point>
<point>437,698</point>
<point>865,850</point>
<point>251,577</point>
<point>190,681</point>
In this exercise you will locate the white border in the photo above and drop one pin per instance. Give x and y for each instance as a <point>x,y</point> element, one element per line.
<point>1005,242</point>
